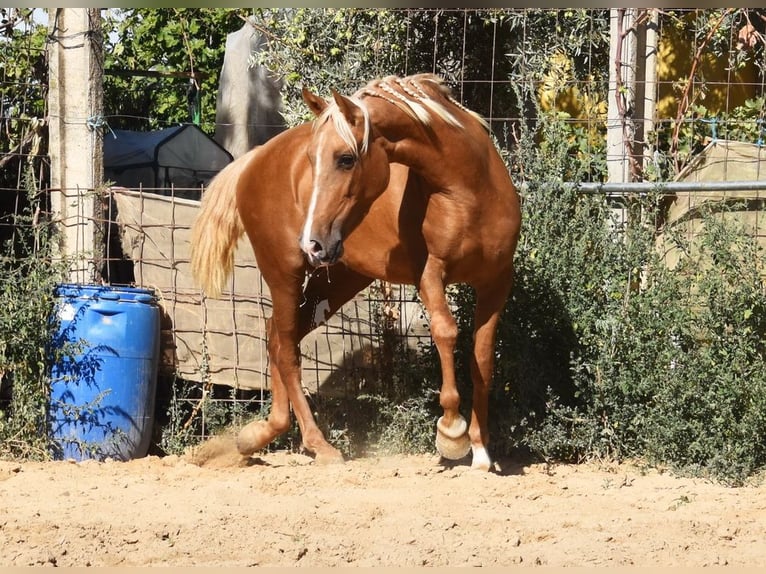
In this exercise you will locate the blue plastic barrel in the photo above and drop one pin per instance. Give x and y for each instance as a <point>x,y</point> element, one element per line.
<point>104,364</point>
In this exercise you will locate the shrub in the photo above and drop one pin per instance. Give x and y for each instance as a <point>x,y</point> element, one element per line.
<point>612,353</point>
<point>28,275</point>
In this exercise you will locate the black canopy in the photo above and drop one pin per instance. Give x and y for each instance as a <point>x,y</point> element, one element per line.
<point>182,156</point>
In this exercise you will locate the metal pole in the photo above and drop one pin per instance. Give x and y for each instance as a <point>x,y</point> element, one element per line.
<point>672,186</point>
<point>647,186</point>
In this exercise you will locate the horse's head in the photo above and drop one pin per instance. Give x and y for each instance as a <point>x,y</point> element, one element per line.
<point>350,170</point>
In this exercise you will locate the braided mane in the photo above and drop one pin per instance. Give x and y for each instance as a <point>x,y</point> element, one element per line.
<point>420,96</point>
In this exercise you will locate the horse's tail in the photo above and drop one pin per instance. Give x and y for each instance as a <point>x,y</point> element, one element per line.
<point>217,229</point>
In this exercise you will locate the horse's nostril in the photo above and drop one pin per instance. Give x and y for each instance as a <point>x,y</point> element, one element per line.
<point>316,247</point>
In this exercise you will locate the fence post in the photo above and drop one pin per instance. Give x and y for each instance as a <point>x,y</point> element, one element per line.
<point>75,108</point>
<point>622,85</point>
<point>649,86</point>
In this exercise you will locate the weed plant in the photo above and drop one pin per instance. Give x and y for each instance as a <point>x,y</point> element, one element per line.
<point>29,272</point>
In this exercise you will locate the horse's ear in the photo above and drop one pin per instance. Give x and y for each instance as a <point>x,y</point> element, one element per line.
<point>314,102</point>
<point>349,109</point>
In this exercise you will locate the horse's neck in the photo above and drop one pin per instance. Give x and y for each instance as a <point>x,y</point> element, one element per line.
<point>430,151</point>
<point>420,155</point>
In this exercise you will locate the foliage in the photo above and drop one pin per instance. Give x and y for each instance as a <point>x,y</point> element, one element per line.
<point>622,356</point>
<point>187,412</point>
<point>28,274</point>
<point>28,271</point>
<point>22,68</point>
<point>710,97</point>
<point>744,123</point>
<point>404,427</point>
<point>175,434</point>
<point>719,24</point>
<point>341,48</point>
<point>389,405</point>
<point>176,42</point>
<point>345,48</point>
<point>689,358</point>
<point>23,83</point>
<point>323,48</point>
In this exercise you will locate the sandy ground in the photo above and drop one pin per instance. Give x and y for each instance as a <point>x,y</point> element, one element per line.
<point>211,508</point>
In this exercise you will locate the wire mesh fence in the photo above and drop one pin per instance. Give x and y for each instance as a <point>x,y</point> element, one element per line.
<point>683,89</point>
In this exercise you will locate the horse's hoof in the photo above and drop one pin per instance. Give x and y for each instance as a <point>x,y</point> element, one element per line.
<point>252,438</point>
<point>452,441</point>
<point>481,460</point>
<point>328,455</point>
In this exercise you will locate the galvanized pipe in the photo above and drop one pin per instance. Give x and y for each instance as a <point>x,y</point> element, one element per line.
<point>667,187</point>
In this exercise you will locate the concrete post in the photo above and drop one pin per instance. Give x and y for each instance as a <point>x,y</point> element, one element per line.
<point>75,108</point>
<point>622,61</point>
<point>645,88</point>
<point>650,83</point>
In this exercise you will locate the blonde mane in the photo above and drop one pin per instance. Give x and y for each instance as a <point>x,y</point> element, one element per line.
<point>418,96</point>
<point>332,113</point>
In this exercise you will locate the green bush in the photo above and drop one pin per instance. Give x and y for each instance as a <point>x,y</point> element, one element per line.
<point>28,275</point>
<point>612,354</point>
<point>689,359</point>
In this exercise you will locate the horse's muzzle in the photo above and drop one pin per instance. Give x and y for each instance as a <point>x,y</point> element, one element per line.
<point>322,253</point>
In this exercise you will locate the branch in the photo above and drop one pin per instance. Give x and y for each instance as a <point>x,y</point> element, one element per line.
<point>187,45</point>
<point>684,103</point>
<point>19,149</point>
<point>273,37</point>
<point>13,19</point>
<point>620,90</point>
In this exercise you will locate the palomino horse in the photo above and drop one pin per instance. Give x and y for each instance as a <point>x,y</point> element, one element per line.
<point>398,182</point>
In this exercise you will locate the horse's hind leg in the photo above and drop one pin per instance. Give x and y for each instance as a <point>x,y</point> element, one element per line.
<point>452,440</point>
<point>489,306</point>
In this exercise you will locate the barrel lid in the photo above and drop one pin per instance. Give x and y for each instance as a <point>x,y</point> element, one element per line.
<point>106,292</point>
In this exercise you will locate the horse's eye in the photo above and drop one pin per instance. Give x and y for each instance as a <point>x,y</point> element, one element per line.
<point>346,161</point>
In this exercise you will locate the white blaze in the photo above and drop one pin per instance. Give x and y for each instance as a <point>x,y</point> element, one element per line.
<point>318,167</point>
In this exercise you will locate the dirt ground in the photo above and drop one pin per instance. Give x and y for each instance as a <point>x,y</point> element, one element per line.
<point>211,508</point>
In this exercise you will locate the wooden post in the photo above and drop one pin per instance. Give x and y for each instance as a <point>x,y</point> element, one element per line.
<point>75,108</point>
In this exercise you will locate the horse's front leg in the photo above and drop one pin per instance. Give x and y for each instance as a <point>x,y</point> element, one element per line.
<point>284,354</point>
<point>324,293</point>
<point>452,441</point>
<point>287,362</point>
<point>257,434</point>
